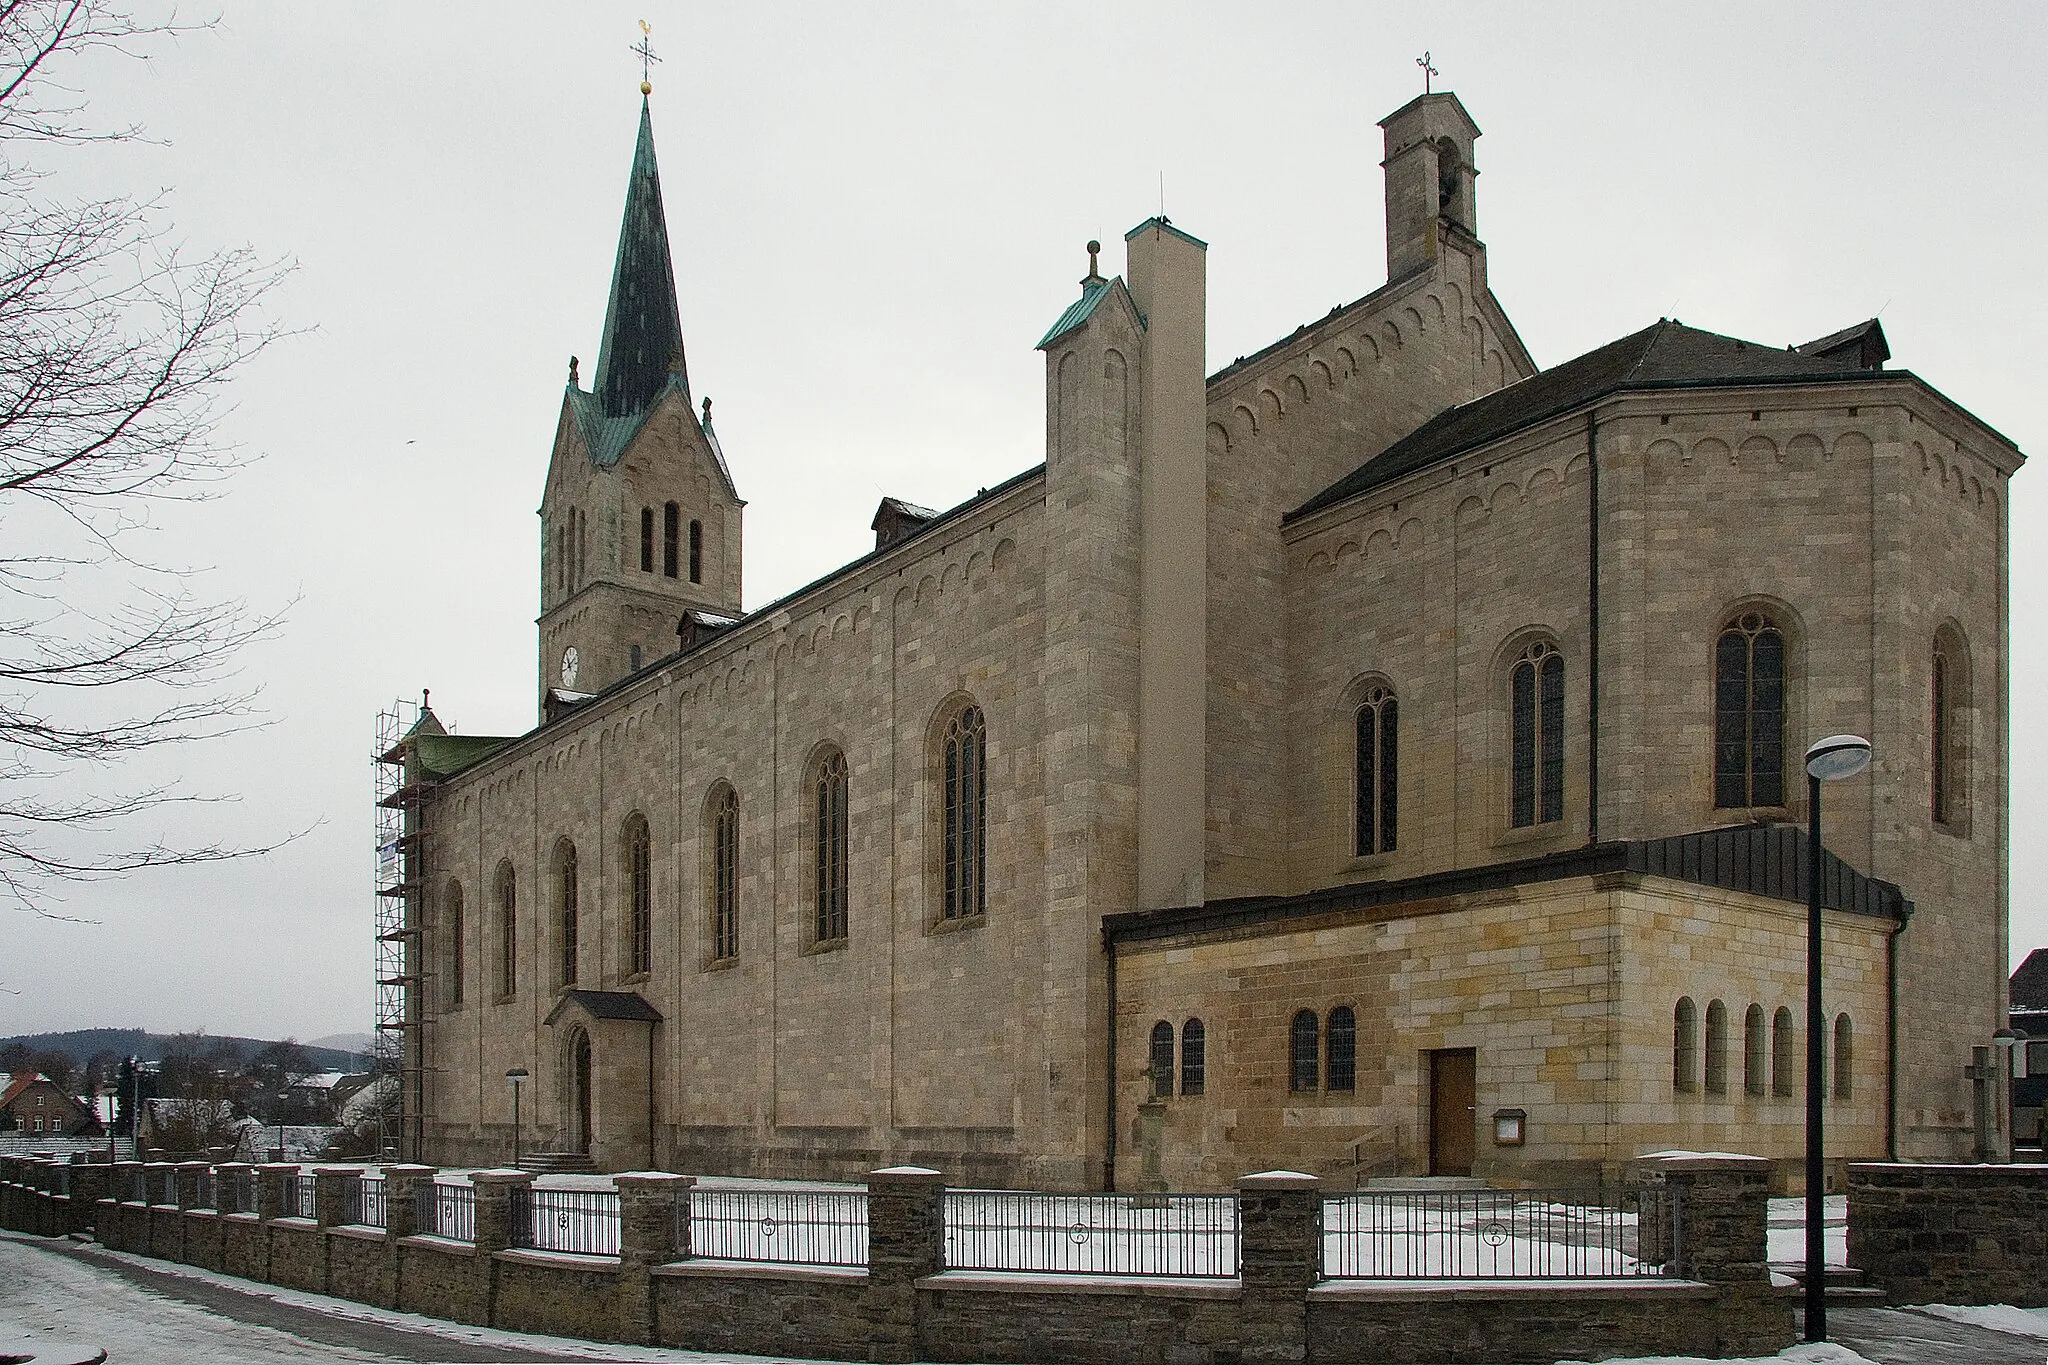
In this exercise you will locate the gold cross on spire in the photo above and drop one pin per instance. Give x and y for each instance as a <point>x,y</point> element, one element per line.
<point>1422,61</point>
<point>645,51</point>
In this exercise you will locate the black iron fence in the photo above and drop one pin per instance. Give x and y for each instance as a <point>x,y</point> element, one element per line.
<point>1193,1235</point>
<point>363,1202</point>
<point>444,1211</point>
<point>1501,1234</point>
<point>585,1222</point>
<point>300,1201</point>
<point>790,1227</point>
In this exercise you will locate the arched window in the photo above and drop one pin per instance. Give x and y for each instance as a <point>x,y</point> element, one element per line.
<point>1685,1047</point>
<point>582,573</point>
<point>1717,1048</point>
<point>964,816</point>
<point>671,518</point>
<point>828,840</point>
<point>1375,771</point>
<point>724,832</point>
<point>508,932</point>
<point>639,896</point>
<point>562,557</point>
<point>1161,1068</point>
<point>1783,1062</point>
<point>451,929</point>
<point>1754,1065</point>
<point>696,551</point>
<point>1303,1047</point>
<point>566,908</point>
<point>647,540</point>
<point>1845,1058</point>
<point>1536,685</point>
<point>1341,1073</point>
<point>1949,757</point>
<point>1194,1057</point>
<point>1749,713</point>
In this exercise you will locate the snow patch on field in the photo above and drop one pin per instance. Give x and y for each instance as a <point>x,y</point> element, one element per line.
<point>1817,1353</point>
<point>1997,1317</point>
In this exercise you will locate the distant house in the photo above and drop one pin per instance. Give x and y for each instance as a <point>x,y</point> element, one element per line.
<point>32,1103</point>
<point>2029,995</point>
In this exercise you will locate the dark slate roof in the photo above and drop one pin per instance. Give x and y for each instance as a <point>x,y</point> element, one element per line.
<point>2030,983</point>
<point>643,333</point>
<point>607,1005</point>
<point>1763,860</point>
<point>1667,354</point>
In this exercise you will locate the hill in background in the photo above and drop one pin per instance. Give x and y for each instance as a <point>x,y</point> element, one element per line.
<point>81,1044</point>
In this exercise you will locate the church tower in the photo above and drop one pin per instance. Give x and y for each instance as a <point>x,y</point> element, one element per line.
<point>640,521</point>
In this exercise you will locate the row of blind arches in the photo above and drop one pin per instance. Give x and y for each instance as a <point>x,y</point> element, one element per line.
<point>1772,1061</point>
<point>962,772</point>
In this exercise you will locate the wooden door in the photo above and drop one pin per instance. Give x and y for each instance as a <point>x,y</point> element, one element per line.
<point>1453,1110</point>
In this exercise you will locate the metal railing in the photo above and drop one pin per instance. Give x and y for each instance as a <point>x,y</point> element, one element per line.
<point>363,1202</point>
<point>300,1201</point>
<point>585,1222</point>
<point>235,1192</point>
<point>165,1189</point>
<point>444,1211</point>
<point>208,1196</point>
<point>1192,1235</point>
<point>789,1227</point>
<point>1501,1234</point>
<point>138,1187</point>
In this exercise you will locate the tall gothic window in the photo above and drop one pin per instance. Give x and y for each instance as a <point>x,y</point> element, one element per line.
<point>963,766</point>
<point>1749,713</point>
<point>1845,1082</point>
<point>1194,1057</point>
<point>566,908</point>
<point>1685,1046</point>
<point>1341,1073</point>
<point>1755,1054</point>
<point>452,956</point>
<point>508,931</point>
<point>1161,1067</point>
<point>1536,685</point>
<point>1376,770</point>
<point>1302,1050</point>
<point>1717,1048</point>
<point>640,893</point>
<point>725,874</point>
<point>1937,761</point>
<point>671,519</point>
<point>1783,1061</point>
<point>696,551</point>
<point>828,841</point>
<point>647,540</point>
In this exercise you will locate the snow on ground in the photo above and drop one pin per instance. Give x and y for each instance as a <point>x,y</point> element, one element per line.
<point>1787,1230</point>
<point>1819,1353</point>
<point>1998,1317</point>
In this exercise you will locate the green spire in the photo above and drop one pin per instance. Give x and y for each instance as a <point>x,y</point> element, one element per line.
<point>643,334</point>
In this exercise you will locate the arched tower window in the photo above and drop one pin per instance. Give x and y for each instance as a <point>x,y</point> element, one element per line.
<point>1845,1050</point>
<point>1749,713</point>
<point>1717,1048</point>
<point>1685,1047</point>
<point>1783,1062</point>
<point>828,847</point>
<point>1536,687</point>
<point>1341,1073</point>
<point>566,909</point>
<point>1948,761</point>
<point>1302,1049</point>
<point>696,551</point>
<point>1194,1057</point>
<point>671,519</point>
<point>639,896</point>
<point>647,540</point>
<point>723,831</point>
<point>1755,1066</point>
<point>508,932</point>
<point>1161,1067</point>
<point>452,930</point>
<point>963,769</point>
<point>1375,772</point>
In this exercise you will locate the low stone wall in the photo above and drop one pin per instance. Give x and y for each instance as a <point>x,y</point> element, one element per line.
<point>1951,1234</point>
<point>906,1305</point>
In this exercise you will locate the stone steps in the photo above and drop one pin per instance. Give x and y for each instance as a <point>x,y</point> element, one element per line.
<point>1844,1284</point>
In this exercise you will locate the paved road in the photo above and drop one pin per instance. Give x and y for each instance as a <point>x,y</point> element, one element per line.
<point>1893,1336</point>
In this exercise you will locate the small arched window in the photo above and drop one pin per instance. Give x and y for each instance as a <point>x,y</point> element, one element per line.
<point>1783,1062</point>
<point>452,929</point>
<point>1161,1066</point>
<point>566,908</point>
<point>562,557</point>
<point>671,518</point>
<point>1717,1048</point>
<point>1685,1047</point>
<point>1375,773</point>
<point>508,931</point>
<point>639,896</point>
<point>1303,1049</point>
<point>724,832</point>
<point>1194,1057</point>
<point>1749,713</point>
<point>696,551</point>
<point>1536,758</point>
<point>1845,1058</point>
<point>647,540</point>
<point>963,774</point>
<point>1341,1072</point>
<point>828,847</point>
<point>1755,1063</point>
<point>1948,760</point>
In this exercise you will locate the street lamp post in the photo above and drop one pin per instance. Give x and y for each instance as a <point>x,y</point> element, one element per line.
<point>2007,1040</point>
<point>1831,759</point>
<point>515,1075</point>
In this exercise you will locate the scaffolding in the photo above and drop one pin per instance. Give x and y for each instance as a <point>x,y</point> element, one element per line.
<point>400,1056</point>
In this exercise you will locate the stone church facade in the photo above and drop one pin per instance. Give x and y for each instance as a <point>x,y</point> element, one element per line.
<point>1378,756</point>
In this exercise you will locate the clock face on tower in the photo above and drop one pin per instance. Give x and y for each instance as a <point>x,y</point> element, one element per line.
<point>569,666</point>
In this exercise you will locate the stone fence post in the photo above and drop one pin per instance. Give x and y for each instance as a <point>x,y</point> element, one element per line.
<point>647,1238</point>
<point>401,1186</point>
<point>273,1189</point>
<point>493,1193</point>
<point>89,1185</point>
<point>1280,1235</point>
<point>1723,1215</point>
<point>188,1173</point>
<point>334,1189</point>
<point>906,1242</point>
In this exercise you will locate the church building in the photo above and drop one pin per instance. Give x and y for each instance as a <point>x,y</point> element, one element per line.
<point>1378,756</point>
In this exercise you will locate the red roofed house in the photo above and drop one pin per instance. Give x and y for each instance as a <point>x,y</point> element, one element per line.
<point>32,1103</point>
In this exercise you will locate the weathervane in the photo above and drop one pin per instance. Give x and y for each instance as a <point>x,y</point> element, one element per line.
<point>1422,61</point>
<point>647,58</point>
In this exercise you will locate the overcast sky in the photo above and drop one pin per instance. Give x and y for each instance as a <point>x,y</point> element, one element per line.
<point>876,210</point>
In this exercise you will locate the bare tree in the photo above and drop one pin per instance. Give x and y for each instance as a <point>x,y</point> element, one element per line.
<point>115,349</point>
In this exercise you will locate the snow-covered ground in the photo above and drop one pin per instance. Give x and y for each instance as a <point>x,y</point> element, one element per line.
<point>1997,1317</point>
<point>1787,1232</point>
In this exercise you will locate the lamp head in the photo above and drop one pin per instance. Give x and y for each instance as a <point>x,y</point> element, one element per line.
<point>516,1074</point>
<point>2009,1038</point>
<point>1838,756</point>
